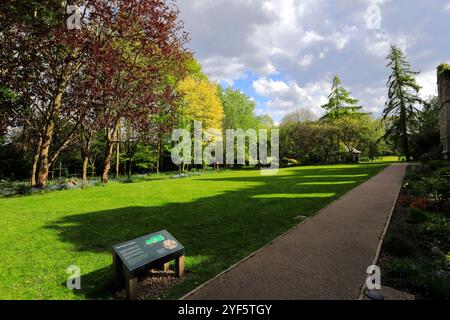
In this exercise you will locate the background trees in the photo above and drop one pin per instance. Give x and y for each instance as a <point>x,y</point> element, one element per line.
<point>124,62</point>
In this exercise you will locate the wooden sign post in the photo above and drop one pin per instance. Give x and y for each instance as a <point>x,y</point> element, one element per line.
<point>135,257</point>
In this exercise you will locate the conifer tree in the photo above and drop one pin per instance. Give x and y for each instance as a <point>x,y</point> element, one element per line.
<point>340,103</point>
<point>403,95</point>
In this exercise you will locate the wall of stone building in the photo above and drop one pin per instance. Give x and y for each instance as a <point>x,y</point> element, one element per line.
<point>444,99</point>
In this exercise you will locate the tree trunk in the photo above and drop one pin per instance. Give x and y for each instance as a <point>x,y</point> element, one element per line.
<point>130,163</point>
<point>118,155</point>
<point>405,142</point>
<point>107,161</point>
<point>93,169</point>
<point>35,163</point>
<point>47,137</point>
<point>44,155</point>
<point>85,169</point>
<point>158,162</point>
<point>110,135</point>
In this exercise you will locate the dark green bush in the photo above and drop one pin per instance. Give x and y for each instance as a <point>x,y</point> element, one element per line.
<point>417,216</point>
<point>439,229</point>
<point>399,244</point>
<point>23,189</point>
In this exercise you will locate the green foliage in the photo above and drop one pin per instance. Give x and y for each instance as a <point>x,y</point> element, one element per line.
<point>419,277</point>
<point>414,256</point>
<point>443,68</point>
<point>239,110</point>
<point>313,142</point>
<point>400,243</point>
<point>425,137</point>
<point>436,186</point>
<point>403,96</point>
<point>340,103</point>
<point>417,216</point>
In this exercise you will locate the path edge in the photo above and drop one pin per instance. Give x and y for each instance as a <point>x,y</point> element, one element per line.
<point>383,236</point>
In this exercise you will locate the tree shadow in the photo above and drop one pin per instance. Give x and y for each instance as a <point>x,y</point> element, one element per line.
<point>216,231</point>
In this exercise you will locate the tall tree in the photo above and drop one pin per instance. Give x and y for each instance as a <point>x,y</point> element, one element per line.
<point>201,103</point>
<point>40,59</point>
<point>340,103</point>
<point>403,96</point>
<point>341,107</point>
<point>140,59</point>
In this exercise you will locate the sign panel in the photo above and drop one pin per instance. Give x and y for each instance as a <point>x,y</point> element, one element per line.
<point>148,249</point>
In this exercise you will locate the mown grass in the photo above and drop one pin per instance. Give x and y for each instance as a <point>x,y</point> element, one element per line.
<point>220,218</point>
<point>386,159</point>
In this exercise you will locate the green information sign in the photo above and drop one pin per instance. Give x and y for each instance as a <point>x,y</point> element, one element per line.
<point>155,239</point>
<point>147,250</point>
<point>135,257</point>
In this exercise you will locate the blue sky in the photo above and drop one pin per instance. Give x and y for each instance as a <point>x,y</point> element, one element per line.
<point>283,53</point>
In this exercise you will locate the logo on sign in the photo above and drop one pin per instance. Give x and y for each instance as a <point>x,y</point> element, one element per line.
<point>170,244</point>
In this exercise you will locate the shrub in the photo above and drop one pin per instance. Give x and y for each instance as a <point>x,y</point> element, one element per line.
<point>438,229</point>
<point>399,268</point>
<point>436,186</point>
<point>419,203</point>
<point>127,181</point>
<point>406,200</point>
<point>23,189</point>
<point>399,244</point>
<point>438,164</point>
<point>417,216</point>
<point>290,162</point>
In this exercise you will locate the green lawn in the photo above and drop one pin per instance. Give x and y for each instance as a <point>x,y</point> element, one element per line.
<point>387,159</point>
<point>220,218</point>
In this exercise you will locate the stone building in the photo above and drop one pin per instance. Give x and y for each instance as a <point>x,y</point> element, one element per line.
<point>444,100</point>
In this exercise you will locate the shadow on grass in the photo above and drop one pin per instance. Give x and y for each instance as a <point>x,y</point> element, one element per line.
<point>216,231</point>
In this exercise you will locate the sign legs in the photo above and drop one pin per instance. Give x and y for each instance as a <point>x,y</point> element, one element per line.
<point>179,267</point>
<point>131,282</point>
<point>118,271</point>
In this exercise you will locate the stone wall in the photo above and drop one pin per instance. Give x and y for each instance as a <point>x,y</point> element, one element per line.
<point>444,99</point>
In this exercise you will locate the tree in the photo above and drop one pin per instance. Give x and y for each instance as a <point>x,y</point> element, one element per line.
<point>41,58</point>
<point>301,115</point>
<point>403,95</point>
<point>201,103</point>
<point>140,59</point>
<point>425,139</point>
<point>238,109</point>
<point>340,103</point>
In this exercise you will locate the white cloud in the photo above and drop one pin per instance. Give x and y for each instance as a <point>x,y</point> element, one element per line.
<point>380,44</point>
<point>428,82</point>
<point>285,97</point>
<point>447,7</point>
<point>306,61</point>
<point>224,69</point>
<point>268,88</point>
